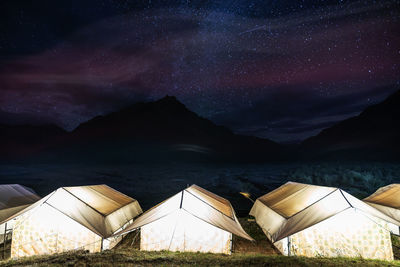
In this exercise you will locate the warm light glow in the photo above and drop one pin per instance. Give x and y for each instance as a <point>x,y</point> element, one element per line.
<point>47,231</point>
<point>181,231</point>
<point>348,234</point>
<point>246,195</point>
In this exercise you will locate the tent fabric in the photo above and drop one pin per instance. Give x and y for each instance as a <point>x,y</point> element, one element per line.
<point>347,234</point>
<point>45,230</point>
<point>294,208</point>
<point>78,208</point>
<point>221,204</point>
<point>13,198</point>
<point>101,198</point>
<point>387,200</point>
<point>180,231</point>
<point>199,203</point>
<point>387,196</point>
<point>293,197</point>
<point>78,203</point>
<point>300,206</point>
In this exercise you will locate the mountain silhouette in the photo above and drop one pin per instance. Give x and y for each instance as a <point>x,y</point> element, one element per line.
<point>374,134</point>
<point>164,129</point>
<point>167,130</point>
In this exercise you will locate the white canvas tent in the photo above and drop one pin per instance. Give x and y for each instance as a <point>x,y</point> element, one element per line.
<point>387,200</point>
<point>13,198</point>
<point>309,220</point>
<point>81,217</point>
<point>192,220</point>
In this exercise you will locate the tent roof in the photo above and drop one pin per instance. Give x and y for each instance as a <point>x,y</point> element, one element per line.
<point>387,196</point>
<point>294,207</point>
<point>199,203</point>
<point>221,204</point>
<point>13,198</point>
<point>14,195</point>
<point>99,208</point>
<point>387,200</point>
<point>292,198</point>
<point>101,198</point>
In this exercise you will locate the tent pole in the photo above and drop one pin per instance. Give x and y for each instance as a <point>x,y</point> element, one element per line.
<point>288,245</point>
<point>231,243</point>
<point>4,241</point>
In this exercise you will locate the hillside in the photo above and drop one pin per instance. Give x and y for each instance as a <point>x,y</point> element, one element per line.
<point>374,134</point>
<point>160,130</point>
<point>165,130</point>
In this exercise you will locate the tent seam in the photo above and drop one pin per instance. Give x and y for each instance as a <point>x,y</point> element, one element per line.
<point>211,206</point>
<point>117,203</point>
<point>103,215</point>
<point>287,218</point>
<point>348,202</point>
<point>213,224</point>
<point>99,234</point>
<point>131,230</point>
<point>313,224</point>
<point>44,202</point>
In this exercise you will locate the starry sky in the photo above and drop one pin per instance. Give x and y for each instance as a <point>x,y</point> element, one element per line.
<point>278,69</point>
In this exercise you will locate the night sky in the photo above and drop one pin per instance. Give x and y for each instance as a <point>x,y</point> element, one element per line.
<point>279,69</point>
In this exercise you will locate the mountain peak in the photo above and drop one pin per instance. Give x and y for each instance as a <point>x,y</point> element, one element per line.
<point>169,100</point>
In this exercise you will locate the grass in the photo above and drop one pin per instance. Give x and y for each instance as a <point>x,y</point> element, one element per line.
<point>246,253</point>
<point>134,257</point>
<point>396,246</point>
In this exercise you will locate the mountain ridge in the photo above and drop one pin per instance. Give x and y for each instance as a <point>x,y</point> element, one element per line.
<point>374,130</point>
<point>161,130</point>
<point>167,129</point>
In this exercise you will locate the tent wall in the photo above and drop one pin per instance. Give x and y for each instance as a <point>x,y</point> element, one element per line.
<point>45,230</point>
<point>266,218</point>
<point>349,234</point>
<point>121,217</point>
<point>181,231</point>
<point>199,203</point>
<point>111,242</point>
<point>282,246</point>
<point>391,212</point>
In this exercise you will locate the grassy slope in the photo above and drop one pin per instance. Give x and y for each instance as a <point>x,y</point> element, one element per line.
<point>133,257</point>
<point>246,253</point>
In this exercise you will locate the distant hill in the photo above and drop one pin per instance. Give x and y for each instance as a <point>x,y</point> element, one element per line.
<point>165,130</point>
<point>374,134</point>
<point>160,130</point>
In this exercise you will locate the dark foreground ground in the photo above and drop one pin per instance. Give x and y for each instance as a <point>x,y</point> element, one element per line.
<point>246,253</point>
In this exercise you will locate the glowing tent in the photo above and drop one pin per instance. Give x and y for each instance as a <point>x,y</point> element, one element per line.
<point>13,198</point>
<point>387,200</point>
<point>192,220</point>
<point>309,220</point>
<point>81,217</point>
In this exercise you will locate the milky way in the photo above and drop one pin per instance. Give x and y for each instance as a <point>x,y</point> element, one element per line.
<point>280,71</point>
